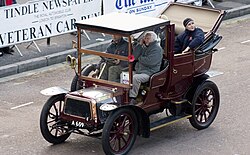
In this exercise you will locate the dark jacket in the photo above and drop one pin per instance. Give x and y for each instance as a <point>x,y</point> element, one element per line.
<point>149,58</point>
<point>188,38</point>
<point>120,48</point>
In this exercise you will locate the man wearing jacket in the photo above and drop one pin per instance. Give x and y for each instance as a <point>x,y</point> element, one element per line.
<point>191,38</point>
<point>149,55</point>
<point>113,69</point>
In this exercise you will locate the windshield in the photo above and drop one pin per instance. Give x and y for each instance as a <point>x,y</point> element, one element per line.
<point>113,57</point>
<point>109,58</point>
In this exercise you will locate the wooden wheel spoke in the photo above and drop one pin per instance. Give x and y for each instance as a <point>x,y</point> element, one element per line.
<point>119,143</point>
<point>56,110</point>
<point>198,110</point>
<point>201,116</point>
<point>113,138</point>
<point>203,95</point>
<point>48,122</point>
<point>51,115</point>
<point>200,99</point>
<point>51,129</point>
<point>209,112</point>
<point>205,116</point>
<point>60,107</point>
<point>128,124</point>
<point>124,140</point>
<point>124,121</point>
<point>210,99</point>
<point>114,144</point>
<point>209,93</point>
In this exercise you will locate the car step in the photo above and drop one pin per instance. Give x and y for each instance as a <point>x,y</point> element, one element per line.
<point>167,120</point>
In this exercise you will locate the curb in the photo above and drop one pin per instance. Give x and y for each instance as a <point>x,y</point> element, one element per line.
<point>35,63</point>
<point>237,12</point>
<point>44,61</point>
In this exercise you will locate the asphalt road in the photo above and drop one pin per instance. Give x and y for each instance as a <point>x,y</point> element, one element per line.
<point>21,103</point>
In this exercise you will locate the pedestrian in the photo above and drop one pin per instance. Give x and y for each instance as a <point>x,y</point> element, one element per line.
<point>7,49</point>
<point>191,38</point>
<point>149,55</point>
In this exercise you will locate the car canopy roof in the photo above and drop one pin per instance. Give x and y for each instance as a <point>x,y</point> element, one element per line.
<point>121,23</point>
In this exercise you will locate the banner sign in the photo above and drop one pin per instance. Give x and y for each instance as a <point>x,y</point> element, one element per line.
<point>143,7</point>
<point>39,19</point>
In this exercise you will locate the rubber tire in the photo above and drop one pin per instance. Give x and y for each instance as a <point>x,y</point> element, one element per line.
<point>43,121</point>
<point>193,120</point>
<point>76,84</point>
<point>108,125</point>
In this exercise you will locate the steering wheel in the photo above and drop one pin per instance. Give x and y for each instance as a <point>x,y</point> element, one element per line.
<point>107,59</point>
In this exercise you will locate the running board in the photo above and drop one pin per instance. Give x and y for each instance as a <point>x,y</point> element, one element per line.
<point>167,120</point>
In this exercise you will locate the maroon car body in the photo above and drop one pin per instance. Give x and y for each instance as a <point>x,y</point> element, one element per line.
<point>181,87</point>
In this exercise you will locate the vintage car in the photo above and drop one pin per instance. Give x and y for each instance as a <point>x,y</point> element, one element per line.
<point>100,108</point>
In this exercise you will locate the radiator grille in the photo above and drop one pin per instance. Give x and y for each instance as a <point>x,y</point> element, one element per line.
<point>77,108</point>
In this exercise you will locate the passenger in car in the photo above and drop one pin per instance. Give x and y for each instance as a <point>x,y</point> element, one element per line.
<point>149,55</point>
<point>191,38</point>
<point>114,68</point>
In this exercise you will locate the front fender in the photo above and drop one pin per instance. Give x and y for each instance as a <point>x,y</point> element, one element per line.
<point>213,73</point>
<point>53,91</point>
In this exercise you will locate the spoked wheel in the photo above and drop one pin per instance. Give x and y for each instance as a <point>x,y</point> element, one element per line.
<point>205,105</point>
<point>76,83</point>
<point>119,132</point>
<point>52,127</point>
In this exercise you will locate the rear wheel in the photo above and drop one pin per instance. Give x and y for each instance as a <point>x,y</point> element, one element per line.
<point>119,132</point>
<point>205,105</point>
<point>53,128</point>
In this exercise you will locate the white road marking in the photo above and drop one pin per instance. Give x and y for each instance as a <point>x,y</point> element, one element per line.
<point>5,136</point>
<point>19,83</point>
<point>243,42</point>
<point>22,105</point>
<point>222,48</point>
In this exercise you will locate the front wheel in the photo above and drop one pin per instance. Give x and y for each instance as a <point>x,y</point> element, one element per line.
<point>119,132</point>
<point>53,128</point>
<point>205,105</point>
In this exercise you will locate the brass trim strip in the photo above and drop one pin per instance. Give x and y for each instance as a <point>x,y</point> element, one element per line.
<point>114,84</point>
<point>163,125</point>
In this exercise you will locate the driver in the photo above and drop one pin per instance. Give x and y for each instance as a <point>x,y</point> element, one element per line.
<point>114,68</point>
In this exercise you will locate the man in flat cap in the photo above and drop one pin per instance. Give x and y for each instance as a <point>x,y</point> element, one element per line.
<point>191,38</point>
